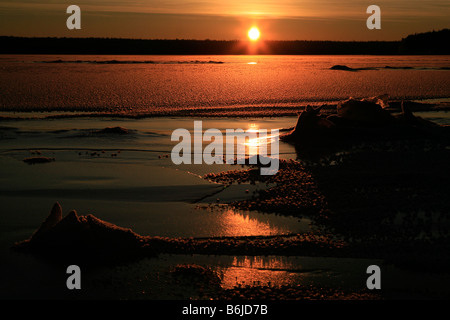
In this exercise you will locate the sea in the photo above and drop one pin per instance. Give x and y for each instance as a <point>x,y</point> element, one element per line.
<point>58,107</point>
<point>179,85</point>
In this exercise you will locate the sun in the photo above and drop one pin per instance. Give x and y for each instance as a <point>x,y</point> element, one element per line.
<point>254,34</point>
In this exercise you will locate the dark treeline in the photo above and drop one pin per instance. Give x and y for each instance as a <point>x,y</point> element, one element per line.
<point>427,43</point>
<point>187,47</point>
<point>434,42</point>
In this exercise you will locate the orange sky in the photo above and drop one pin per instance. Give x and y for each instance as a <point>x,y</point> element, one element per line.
<point>224,20</point>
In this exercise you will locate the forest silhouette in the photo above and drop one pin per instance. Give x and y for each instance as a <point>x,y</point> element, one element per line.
<point>434,42</point>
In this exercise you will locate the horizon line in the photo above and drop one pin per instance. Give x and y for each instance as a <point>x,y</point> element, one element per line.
<point>186,39</point>
<point>221,40</point>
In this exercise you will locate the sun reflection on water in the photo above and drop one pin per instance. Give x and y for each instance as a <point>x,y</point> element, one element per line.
<point>258,141</point>
<point>261,271</point>
<point>241,224</point>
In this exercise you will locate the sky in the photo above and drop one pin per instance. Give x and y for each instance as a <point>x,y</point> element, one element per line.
<point>224,19</point>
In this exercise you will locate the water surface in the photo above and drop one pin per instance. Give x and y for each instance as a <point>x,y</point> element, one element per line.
<point>167,84</point>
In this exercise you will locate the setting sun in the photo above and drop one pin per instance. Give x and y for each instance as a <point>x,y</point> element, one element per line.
<point>254,34</point>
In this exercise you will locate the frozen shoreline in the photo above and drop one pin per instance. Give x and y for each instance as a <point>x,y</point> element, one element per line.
<point>259,111</point>
<point>80,168</point>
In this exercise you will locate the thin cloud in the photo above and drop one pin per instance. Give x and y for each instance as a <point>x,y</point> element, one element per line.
<point>353,9</point>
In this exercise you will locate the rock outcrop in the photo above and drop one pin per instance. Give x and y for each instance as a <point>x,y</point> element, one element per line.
<point>361,121</point>
<point>85,239</point>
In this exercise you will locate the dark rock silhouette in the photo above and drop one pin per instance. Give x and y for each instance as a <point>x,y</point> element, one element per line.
<point>52,220</point>
<point>365,112</point>
<point>361,121</point>
<point>85,239</point>
<point>113,130</point>
<point>36,160</point>
<point>342,67</point>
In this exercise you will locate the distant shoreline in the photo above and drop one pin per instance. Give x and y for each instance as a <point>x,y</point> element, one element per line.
<point>116,46</point>
<point>430,43</point>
